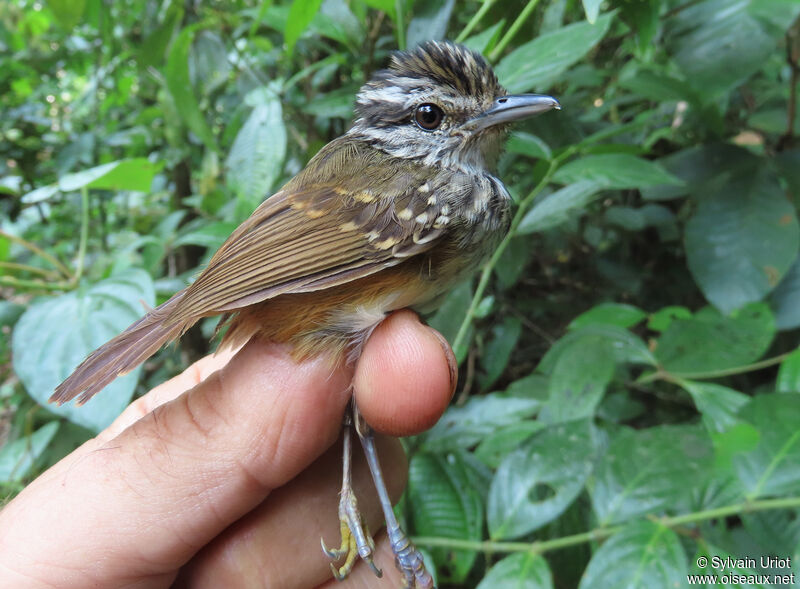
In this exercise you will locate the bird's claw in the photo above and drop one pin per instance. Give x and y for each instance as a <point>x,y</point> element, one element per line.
<point>356,540</point>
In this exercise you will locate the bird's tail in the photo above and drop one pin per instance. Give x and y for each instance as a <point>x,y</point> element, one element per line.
<point>123,353</point>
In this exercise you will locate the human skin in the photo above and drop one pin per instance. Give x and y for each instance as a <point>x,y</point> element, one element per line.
<point>228,475</point>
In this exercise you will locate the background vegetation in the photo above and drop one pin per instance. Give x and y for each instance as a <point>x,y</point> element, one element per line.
<point>629,398</point>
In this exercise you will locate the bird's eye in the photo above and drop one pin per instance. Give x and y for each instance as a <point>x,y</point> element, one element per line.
<point>428,116</point>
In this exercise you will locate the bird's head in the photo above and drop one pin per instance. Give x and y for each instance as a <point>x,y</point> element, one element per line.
<point>440,104</point>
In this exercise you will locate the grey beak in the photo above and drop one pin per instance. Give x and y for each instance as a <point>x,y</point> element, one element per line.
<point>514,107</point>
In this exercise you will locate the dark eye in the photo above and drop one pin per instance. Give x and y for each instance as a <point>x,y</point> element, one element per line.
<point>428,116</point>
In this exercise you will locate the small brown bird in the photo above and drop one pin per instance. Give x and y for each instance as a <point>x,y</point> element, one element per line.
<point>390,215</point>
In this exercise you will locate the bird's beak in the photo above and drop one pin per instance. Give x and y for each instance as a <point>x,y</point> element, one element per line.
<point>514,107</point>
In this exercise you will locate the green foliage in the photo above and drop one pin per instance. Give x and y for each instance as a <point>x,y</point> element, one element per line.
<point>630,348</point>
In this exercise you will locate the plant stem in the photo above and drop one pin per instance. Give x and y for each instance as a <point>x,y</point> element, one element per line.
<point>84,235</point>
<point>33,284</point>
<point>399,6</point>
<point>523,16</point>
<point>26,268</point>
<point>38,251</point>
<point>675,377</point>
<point>605,532</point>
<point>487,4</point>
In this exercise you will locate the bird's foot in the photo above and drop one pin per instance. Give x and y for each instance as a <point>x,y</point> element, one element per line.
<point>409,560</point>
<point>356,540</point>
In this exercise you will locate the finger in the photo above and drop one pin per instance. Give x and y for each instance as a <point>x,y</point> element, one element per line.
<point>280,540</point>
<point>166,391</point>
<point>405,377</point>
<point>163,488</point>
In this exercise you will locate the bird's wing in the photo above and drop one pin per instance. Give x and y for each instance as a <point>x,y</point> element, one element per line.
<point>356,213</point>
<point>350,213</point>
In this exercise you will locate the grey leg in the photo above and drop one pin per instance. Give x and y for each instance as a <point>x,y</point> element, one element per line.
<point>407,558</point>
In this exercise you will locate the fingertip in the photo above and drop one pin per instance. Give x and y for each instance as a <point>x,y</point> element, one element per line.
<point>405,377</point>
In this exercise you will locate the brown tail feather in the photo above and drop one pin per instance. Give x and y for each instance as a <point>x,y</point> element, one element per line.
<point>123,353</point>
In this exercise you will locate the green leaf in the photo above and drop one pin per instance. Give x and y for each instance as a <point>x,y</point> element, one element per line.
<point>465,426</point>
<point>617,314</point>
<point>642,17</point>
<point>717,403</point>
<point>208,235</point>
<point>649,471</point>
<point>519,571</point>
<point>56,334</point>
<point>662,319</point>
<point>537,482</point>
<point>789,374</point>
<point>773,467</point>
<point>429,22</point>
<point>451,313</point>
<point>504,338</point>
<point>578,380</point>
<point>484,41</point>
<point>529,145</point>
<point>539,63</point>
<point>625,347</point>
<point>179,85</point>
<point>592,9</point>
<point>559,207</point>
<point>152,50</point>
<point>615,170</point>
<point>18,457</point>
<point>784,299</point>
<point>741,240</point>
<point>497,445</point>
<point>133,174</point>
<point>386,6</point>
<point>710,341</point>
<point>705,42</point>
<point>209,66</point>
<point>256,158</point>
<point>300,16</point>
<point>67,12</point>
<point>644,555</point>
<point>446,504</point>
<point>700,169</point>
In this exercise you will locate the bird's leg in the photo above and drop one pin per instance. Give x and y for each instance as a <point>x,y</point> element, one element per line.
<point>356,540</point>
<point>407,558</point>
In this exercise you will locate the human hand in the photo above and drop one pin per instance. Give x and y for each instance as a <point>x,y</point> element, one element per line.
<point>233,483</point>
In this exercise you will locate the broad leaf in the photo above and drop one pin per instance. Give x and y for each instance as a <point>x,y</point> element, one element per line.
<point>180,87</point>
<point>56,334</point>
<point>741,240</point>
<point>256,157</point>
<point>465,426</point>
<point>301,14</point>
<point>618,314</point>
<point>446,504</point>
<point>519,571</point>
<point>773,467</point>
<point>710,341</point>
<point>615,170</point>
<point>429,22</point>
<point>538,63</point>
<point>18,457</point>
<point>718,404</point>
<point>578,380</point>
<point>648,471</point>
<point>785,299</point>
<point>560,206</point>
<point>644,555</point>
<point>789,374</point>
<point>537,482</point>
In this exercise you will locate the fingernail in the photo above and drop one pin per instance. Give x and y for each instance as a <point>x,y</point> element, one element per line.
<point>451,360</point>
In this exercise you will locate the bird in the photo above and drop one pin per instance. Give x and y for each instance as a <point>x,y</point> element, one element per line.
<point>390,215</point>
